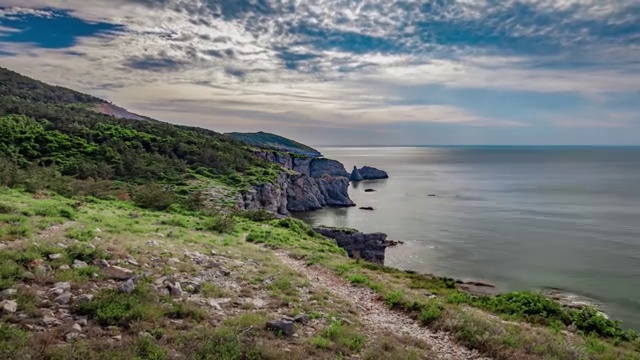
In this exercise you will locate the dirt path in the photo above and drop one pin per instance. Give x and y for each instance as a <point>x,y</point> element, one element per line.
<point>374,313</point>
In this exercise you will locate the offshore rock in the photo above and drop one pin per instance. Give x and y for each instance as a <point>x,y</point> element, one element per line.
<point>369,247</point>
<point>371,173</point>
<point>355,175</point>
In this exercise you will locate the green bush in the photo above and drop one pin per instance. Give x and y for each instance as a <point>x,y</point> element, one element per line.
<point>394,299</point>
<point>536,308</point>
<point>7,209</point>
<point>154,196</point>
<point>592,322</point>
<point>358,279</point>
<point>220,223</point>
<point>431,311</point>
<point>256,215</point>
<point>81,234</point>
<point>113,308</point>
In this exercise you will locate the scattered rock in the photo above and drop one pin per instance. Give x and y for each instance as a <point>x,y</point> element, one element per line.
<point>35,263</point>
<point>50,321</point>
<point>145,335</point>
<point>84,298</point>
<point>175,289</point>
<point>64,286</point>
<point>64,267</point>
<point>257,303</point>
<point>286,328</point>
<point>368,208</point>
<point>82,321</point>
<point>302,318</point>
<point>392,243</point>
<point>127,287</point>
<point>432,195</point>
<point>77,327</point>
<point>7,293</point>
<point>72,336</point>
<point>133,262</point>
<point>9,306</point>
<point>173,261</point>
<point>64,299</point>
<point>77,264</point>
<point>152,243</point>
<point>117,273</point>
<point>55,256</point>
<point>369,247</point>
<point>370,190</point>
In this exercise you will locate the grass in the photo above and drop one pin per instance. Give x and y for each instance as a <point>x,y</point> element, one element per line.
<point>536,327</point>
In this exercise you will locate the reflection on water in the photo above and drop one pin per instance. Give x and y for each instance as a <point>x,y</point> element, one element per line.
<point>522,218</point>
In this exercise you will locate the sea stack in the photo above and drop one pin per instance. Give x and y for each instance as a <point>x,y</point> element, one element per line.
<point>371,173</point>
<point>355,175</point>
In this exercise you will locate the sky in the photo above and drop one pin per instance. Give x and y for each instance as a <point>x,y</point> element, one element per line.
<point>348,72</point>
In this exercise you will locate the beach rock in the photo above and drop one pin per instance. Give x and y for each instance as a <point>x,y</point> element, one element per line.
<point>370,247</point>
<point>371,173</point>
<point>286,328</point>
<point>355,175</point>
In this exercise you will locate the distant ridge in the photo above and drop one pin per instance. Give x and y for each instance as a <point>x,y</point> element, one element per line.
<point>276,142</point>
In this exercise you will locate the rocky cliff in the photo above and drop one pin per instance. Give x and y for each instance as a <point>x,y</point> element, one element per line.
<point>313,184</point>
<point>370,247</point>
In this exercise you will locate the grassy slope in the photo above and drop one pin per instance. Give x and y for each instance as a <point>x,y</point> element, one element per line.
<point>276,142</point>
<point>150,326</point>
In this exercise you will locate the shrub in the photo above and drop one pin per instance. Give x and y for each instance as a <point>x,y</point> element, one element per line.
<point>113,308</point>
<point>394,299</point>
<point>6,209</point>
<point>221,223</point>
<point>81,234</point>
<point>256,215</point>
<point>532,307</point>
<point>431,311</point>
<point>358,279</point>
<point>592,322</point>
<point>154,196</point>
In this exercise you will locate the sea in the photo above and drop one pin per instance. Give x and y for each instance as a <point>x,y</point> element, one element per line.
<point>521,218</point>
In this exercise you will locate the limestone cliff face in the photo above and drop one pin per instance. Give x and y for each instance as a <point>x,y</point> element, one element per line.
<point>270,197</point>
<point>315,184</point>
<point>370,247</point>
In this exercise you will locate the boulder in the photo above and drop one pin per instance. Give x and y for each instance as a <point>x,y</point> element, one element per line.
<point>371,173</point>
<point>369,247</point>
<point>286,328</point>
<point>355,175</point>
<point>9,306</point>
<point>117,273</point>
<point>127,287</point>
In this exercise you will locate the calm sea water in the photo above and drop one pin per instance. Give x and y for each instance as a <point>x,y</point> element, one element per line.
<point>519,217</point>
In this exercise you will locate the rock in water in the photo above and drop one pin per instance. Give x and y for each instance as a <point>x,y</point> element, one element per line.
<point>286,328</point>
<point>370,190</point>
<point>371,173</point>
<point>369,208</point>
<point>355,175</point>
<point>370,247</point>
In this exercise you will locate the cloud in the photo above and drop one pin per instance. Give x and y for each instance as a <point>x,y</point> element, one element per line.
<point>327,63</point>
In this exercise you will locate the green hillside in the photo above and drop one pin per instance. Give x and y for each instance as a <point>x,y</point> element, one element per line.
<point>43,125</point>
<point>275,142</point>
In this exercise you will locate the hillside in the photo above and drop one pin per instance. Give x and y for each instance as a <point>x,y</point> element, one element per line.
<point>275,142</point>
<point>109,250</point>
<point>52,126</point>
